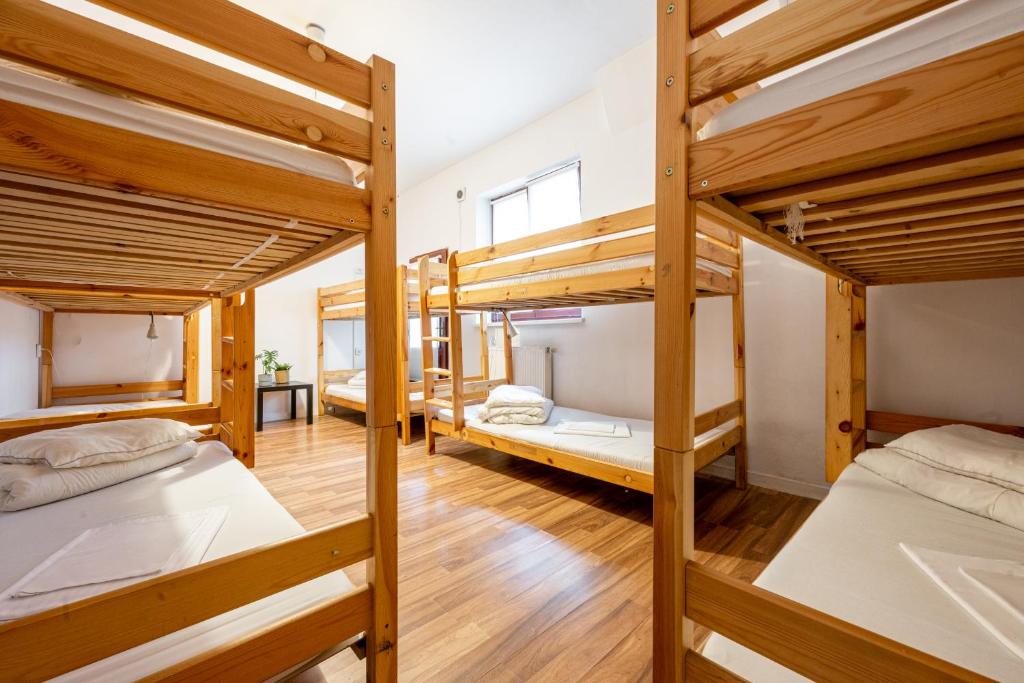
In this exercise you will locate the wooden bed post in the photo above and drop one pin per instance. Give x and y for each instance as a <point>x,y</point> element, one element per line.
<point>674,308</point>
<point>455,345</point>
<point>216,349</point>
<point>845,374</point>
<point>320,386</point>
<point>485,352</point>
<point>190,357</point>
<point>244,377</point>
<point>740,368</point>
<point>381,439</point>
<point>46,359</point>
<point>507,346</point>
<point>403,354</point>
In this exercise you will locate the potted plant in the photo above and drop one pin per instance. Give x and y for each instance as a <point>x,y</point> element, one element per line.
<point>281,372</point>
<point>268,359</point>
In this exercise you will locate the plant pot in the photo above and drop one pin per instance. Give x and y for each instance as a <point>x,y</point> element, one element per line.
<point>281,376</point>
<point>265,378</point>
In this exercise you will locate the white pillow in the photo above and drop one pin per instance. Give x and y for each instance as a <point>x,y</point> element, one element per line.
<point>96,443</point>
<point>358,380</point>
<point>968,451</point>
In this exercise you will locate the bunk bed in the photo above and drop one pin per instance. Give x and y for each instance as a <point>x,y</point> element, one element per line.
<point>141,178</point>
<point>346,302</point>
<point>900,161</point>
<point>166,392</point>
<point>607,260</point>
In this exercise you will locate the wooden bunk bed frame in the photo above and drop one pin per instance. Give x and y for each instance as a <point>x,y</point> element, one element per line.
<point>170,228</point>
<point>608,238</point>
<point>352,295</point>
<point>900,171</point>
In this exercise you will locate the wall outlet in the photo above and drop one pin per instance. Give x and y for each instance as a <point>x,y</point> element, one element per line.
<point>39,350</point>
<point>460,194</point>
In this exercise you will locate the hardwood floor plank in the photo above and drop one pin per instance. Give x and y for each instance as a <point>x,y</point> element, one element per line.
<point>510,570</point>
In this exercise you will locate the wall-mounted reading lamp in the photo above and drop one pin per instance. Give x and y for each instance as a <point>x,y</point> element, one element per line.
<point>151,333</point>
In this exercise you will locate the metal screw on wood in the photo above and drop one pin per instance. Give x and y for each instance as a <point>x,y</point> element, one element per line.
<point>668,171</point>
<point>671,8</point>
<point>670,80</point>
<point>703,183</point>
<point>384,141</point>
<point>383,86</point>
<point>387,211</point>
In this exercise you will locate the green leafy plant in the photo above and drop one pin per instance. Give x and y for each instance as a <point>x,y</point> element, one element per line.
<point>268,359</point>
<point>283,366</point>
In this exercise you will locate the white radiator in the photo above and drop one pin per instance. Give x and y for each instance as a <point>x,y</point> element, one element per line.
<point>532,365</point>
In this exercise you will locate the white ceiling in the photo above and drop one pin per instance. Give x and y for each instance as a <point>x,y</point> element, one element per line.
<point>472,71</point>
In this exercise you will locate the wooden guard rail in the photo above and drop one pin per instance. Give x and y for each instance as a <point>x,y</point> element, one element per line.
<point>63,639</point>
<point>899,423</point>
<point>84,390</point>
<point>809,642</point>
<point>194,414</point>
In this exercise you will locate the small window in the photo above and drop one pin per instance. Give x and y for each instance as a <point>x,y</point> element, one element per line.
<point>549,201</point>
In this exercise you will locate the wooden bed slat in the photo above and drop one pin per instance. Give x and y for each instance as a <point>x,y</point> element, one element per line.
<point>39,141</point>
<point>82,390</point>
<point>266,44</point>
<point>968,99</point>
<point>793,34</point>
<point>707,15</point>
<point>947,277</point>
<point>700,668</point>
<point>901,423</point>
<point>945,216</point>
<point>809,642</point>
<point>198,414</point>
<point>52,38</point>
<point>63,639</point>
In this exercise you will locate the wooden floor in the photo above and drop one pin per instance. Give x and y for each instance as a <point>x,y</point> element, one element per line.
<point>510,570</point>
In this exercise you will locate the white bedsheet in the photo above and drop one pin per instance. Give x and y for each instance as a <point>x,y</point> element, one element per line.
<point>80,409</point>
<point>944,33</point>
<point>65,98</point>
<point>358,394</point>
<point>636,452</point>
<point>213,478</point>
<point>846,560</point>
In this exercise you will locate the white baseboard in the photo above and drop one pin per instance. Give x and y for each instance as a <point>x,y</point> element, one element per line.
<point>771,481</point>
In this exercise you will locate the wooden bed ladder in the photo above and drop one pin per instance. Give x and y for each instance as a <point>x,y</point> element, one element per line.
<point>428,277</point>
<point>234,320</point>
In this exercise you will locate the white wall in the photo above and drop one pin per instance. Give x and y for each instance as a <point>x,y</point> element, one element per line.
<point>19,367</point>
<point>963,340</point>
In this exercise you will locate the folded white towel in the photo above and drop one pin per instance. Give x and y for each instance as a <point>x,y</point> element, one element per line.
<point>511,395</point>
<point>614,430</point>
<point>990,590</point>
<point>112,556</point>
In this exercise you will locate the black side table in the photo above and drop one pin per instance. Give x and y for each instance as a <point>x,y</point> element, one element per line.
<point>293,388</point>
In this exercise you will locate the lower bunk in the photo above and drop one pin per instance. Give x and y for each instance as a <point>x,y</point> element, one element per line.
<point>238,514</point>
<point>624,461</point>
<point>889,552</point>
<point>87,408</point>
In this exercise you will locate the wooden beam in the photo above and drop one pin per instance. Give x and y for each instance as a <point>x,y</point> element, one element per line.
<point>340,242</point>
<point>739,363</point>
<point>947,277</point>
<point>789,36</point>
<point>933,237</point>
<point>190,358</point>
<point>909,221</point>
<point>114,292</point>
<point>79,391</point>
<point>56,145</point>
<point>845,374</point>
<point>48,644</point>
<point>966,99</point>
<point>382,448</point>
<point>941,172</point>
<point>243,377</point>
<point>707,15</point>
<point>674,320</point>
<point>811,643</point>
<point>901,423</point>
<point>23,300</point>
<point>227,27</point>
<point>216,349</point>
<point>51,38</point>
<point>751,227</point>
<point>700,668</point>
<point>46,359</point>
<point>197,414</point>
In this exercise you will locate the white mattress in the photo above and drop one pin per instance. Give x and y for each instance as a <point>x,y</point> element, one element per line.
<point>83,408</point>
<point>358,394</point>
<point>212,478</point>
<point>845,561</point>
<point>65,98</point>
<point>947,32</point>
<point>636,452</point>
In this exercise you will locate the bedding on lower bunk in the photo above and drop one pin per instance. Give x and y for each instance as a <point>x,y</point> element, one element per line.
<point>358,394</point>
<point>212,479</point>
<point>86,408</point>
<point>847,560</point>
<point>635,452</point>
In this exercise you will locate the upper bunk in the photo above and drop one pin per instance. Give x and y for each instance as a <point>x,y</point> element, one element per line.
<point>134,177</point>
<point>347,301</point>
<point>606,260</point>
<point>897,159</point>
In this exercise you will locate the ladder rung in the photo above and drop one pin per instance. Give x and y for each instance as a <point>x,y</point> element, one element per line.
<point>439,403</point>
<point>439,371</point>
<point>437,339</point>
